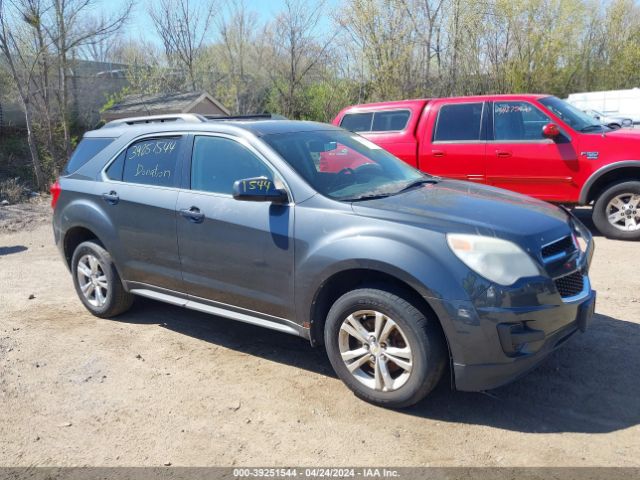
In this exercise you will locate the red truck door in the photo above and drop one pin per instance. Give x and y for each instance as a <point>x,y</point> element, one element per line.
<point>520,158</point>
<point>453,141</point>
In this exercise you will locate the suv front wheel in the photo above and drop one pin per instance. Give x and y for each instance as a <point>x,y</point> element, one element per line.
<point>616,212</point>
<point>97,281</point>
<point>383,348</point>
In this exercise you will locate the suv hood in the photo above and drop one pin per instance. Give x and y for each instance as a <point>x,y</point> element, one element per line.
<point>456,206</point>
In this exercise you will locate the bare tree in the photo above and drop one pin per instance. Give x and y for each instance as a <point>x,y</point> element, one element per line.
<point>21,62</point>
<point>297,49</point>
<point>241,47</point>
<point>71,27</point>
<point>387,45</point>
<point>426,20</point>
<point>183,29</point>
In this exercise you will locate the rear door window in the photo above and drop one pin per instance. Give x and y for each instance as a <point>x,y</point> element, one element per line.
<point>459,122</point>
<point>114,172</point>
<point>85,151</point>
<point>153,161</point>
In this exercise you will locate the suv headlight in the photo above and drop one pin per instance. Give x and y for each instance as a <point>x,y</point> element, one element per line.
<point>581,235</point>
<point>500,261</point>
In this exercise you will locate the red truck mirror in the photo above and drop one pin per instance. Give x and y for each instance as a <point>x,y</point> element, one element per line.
<point>550,130</point>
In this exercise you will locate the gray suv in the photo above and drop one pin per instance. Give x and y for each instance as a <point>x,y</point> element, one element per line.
<point>311,230</point>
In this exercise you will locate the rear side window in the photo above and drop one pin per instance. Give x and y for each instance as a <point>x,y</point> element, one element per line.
<point>357,122</point>
<point>152,161</point>
<point>85,151</point>
<point>458,122</point>
<point>390,121</point>
<point>385,121</point>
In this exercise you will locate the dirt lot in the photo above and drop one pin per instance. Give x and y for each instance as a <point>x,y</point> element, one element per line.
<point>162,384</point>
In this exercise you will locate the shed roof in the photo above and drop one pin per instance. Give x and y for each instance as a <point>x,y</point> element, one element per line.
<point>138,104</point>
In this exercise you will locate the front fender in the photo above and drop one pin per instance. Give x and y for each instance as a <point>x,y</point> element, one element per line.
<point>424,272</point>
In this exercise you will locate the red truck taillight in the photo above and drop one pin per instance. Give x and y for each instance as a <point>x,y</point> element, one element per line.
<point>55,193</point>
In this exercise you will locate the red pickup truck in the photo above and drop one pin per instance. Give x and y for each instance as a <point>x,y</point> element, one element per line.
<point>537,145</point>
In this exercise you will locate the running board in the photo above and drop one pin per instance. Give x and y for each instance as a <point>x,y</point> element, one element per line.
<point>219,311</point>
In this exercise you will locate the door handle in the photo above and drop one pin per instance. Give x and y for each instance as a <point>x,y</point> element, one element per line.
<point>192,214</point>
<point>111,198</point>
<point>503,153</point>
<point>438,153</point>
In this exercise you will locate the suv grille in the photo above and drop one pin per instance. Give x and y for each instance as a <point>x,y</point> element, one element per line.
<point>564,245</point>
<point>570,285</point>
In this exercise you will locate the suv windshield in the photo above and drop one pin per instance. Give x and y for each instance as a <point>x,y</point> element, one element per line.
<point>345,166</point>
<point>573,116</point>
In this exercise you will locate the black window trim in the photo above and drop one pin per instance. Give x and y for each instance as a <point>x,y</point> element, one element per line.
<point>482,133</point>
<point>187,159</point>
<point>374,112</point>
<point>183,135</point>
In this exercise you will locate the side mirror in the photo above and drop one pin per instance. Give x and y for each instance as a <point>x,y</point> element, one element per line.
<point>258,189</point>
<point>550,130</point>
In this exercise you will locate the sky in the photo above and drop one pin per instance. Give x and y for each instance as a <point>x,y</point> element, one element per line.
<point>265,9</point>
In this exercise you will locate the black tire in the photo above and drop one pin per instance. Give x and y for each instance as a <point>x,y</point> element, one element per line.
<point>117,300</point>
<point>601,215</point>
<point>423,334</point>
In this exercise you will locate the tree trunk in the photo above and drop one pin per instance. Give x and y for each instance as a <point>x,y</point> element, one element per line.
<point>33,149</point>
<point>24,98</point>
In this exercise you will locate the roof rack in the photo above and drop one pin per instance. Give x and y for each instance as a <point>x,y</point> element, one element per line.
<point>253,116</point>
<point>176,117</point>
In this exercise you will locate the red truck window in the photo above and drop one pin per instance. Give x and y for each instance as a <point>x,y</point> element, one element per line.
<point>383,121</point>
<point>357,122</point>
<point>460,121</point>
<point>518,121</point>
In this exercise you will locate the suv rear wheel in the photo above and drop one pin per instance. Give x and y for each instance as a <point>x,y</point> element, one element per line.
<point>616,212</point>
<point>383,348</point>
<point>97,282</point>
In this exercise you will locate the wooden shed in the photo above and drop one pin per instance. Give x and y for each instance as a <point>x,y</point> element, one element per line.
<point>165,103</point>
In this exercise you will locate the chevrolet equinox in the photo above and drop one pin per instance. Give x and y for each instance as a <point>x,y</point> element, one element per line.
<point>399,274</point>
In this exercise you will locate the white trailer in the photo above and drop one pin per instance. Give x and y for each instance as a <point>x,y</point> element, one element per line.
<point>620,103</point>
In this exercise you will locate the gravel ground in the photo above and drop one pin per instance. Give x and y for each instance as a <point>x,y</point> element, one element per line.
<point>161,384</point>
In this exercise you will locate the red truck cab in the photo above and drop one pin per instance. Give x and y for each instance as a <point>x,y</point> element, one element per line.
<point>537,145</point>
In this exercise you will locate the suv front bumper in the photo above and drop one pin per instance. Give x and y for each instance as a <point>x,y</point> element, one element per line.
<point>506,366</point>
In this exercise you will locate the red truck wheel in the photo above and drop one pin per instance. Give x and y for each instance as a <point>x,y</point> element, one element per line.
<point>616,212</point>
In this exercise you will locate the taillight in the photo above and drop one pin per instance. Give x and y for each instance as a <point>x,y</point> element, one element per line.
<point>55,193</point>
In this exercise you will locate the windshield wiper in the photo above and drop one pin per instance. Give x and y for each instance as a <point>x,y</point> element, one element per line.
<point>590,128</point>
<point>371,196</point>
<point>415,183</point>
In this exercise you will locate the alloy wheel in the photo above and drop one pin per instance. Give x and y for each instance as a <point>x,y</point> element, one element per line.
<point>92,280</point>
<point>375,350</point>
<point>623,212</point>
